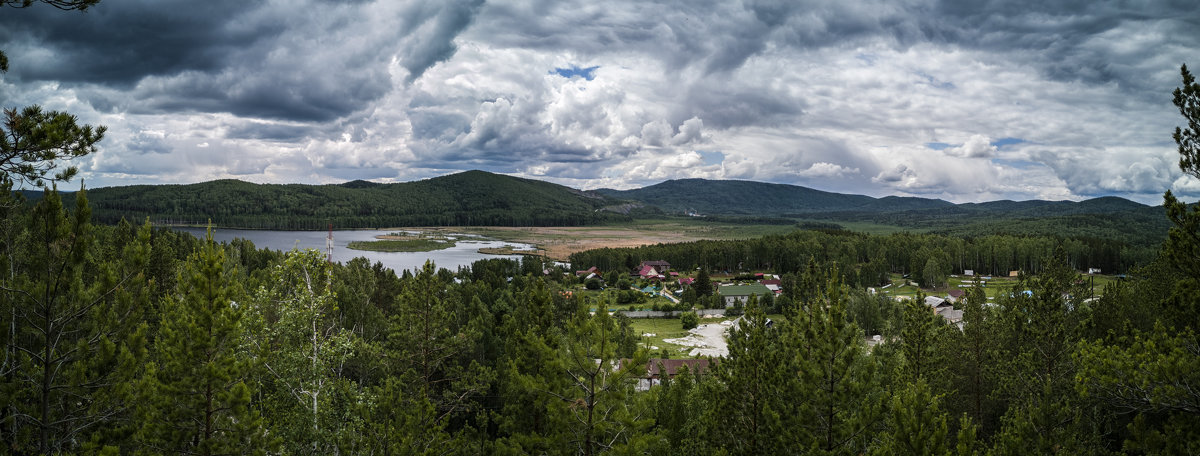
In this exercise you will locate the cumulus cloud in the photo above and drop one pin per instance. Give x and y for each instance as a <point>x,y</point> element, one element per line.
<point>977,146</point>
<point>842,95</point>
<point>823,169</point>
<point>898,174</point>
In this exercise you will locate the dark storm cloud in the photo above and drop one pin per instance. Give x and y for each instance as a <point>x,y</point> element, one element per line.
<point>446,20</point>
<point>307,63</point>
<point>121,42</point>
<point>723,105</point>
<point>268,131</point>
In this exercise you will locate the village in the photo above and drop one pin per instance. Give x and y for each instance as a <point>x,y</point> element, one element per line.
<point>653,296</point>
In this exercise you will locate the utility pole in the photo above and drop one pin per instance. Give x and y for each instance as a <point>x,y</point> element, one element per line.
<point>329,245</point>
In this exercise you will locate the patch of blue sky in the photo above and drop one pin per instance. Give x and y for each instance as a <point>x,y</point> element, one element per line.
<point>935,82</point>
<point>938,145</point>
<point>588,73</point>
<point>1007,142</point>
<point>1018,164</point>
<point>711,157</point>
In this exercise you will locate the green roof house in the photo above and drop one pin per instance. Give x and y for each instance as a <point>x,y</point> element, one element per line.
<point>734,293</point>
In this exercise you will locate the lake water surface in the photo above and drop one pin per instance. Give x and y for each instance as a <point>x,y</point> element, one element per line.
<point>462,254</point>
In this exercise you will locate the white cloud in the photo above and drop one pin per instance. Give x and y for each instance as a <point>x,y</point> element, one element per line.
<point>977,146</point>
<point>823,169</point>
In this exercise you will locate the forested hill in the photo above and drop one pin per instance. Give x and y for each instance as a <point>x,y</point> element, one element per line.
<point>736,197</point>
<point>467,198</point>
<point>480,198</point>
<point>1099,218</point>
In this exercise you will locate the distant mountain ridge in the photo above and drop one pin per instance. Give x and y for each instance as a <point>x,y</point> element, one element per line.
<point>1099,218</point>
<point>738,197</point>
<point>480,198</point>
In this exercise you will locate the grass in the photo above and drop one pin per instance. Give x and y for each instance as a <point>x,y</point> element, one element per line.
<point>995,286</point>
<point>664,328</point>
<point>407,245</point>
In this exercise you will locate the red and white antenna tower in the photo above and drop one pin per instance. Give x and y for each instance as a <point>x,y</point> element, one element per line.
<point>329,245</point>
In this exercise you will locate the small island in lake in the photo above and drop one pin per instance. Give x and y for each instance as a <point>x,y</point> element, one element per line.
<point>509,250</point>
<point>398,242</point>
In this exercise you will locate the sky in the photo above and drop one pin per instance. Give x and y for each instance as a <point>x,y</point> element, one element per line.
<point>961,100</point>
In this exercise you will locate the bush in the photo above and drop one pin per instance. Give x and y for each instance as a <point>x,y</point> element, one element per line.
<point>592,284</point>
<point>689,319</point>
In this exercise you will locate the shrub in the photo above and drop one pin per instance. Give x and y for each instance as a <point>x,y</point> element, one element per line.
<point>689,319</point>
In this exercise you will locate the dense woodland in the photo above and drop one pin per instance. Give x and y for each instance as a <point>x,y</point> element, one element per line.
<point>472,198</point>
<point>128,339</point>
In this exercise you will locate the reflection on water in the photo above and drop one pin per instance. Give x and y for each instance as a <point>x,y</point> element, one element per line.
<point>462,254</point>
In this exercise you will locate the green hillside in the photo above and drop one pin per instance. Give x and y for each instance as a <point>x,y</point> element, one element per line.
<point>735,197</point>
<point>1101,218</point>
<point>468,198</point>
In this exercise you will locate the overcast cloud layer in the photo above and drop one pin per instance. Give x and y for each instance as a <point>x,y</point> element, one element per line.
<point>960,100</point>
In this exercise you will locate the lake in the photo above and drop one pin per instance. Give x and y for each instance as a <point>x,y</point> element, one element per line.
<point>462,254</point>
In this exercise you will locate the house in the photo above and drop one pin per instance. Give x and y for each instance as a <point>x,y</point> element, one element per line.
<point>587,272</point>
<point>687,281</point>
<point>944,309</point>
<point>936,302</point>
<point>968,272</point>
<point>1014,273</point>
<point>952,315</point>
<point>1093,270</point>
<point>659,368</point>
<point>956,295</point>
<point>735,293</point>
<point>648,272</point>
<point>773,285</point>
<point>658,265</point>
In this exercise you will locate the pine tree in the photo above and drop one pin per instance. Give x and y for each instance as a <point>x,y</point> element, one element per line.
<point>844,404</point>
<point>753,404</point>
<point>198,400</point>
<point>703,284</point>
<point>915,423</point>
<point>597,411</point>
<point>78,335</point>
<point>920,343</point>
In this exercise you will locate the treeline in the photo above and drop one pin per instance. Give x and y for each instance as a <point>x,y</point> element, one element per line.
<point>867,259</point>
<point>472,198</point>
<point>1140,226</point>
<point>129,340</point>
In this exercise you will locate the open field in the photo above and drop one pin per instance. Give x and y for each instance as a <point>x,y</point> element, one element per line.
<point>994,287</point>
<point>560,242</point>
<point>655,331</point>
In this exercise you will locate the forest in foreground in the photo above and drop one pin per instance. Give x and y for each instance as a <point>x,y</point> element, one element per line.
<point>132,340</point>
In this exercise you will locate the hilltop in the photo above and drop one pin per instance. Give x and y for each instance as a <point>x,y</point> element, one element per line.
<point>467,198</point>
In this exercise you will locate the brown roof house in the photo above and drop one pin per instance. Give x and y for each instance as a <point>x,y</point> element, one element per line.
<point>659,368</point>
